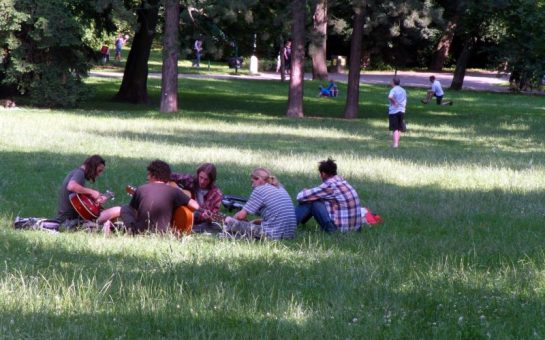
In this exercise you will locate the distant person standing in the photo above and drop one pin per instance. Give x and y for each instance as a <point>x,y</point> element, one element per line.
<point>397,99</point>
<point>287,57</point>
<point>105,53</point>
<point>197,47</point>
<point>437,92</point>
<point>119,42</point>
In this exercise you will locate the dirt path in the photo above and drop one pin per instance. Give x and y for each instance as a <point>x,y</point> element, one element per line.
<point>477,81</point>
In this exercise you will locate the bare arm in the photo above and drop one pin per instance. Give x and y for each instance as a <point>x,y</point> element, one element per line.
<point>73,186</point>
<point>193,205</point>
<point>241,215</point>
<point>392,101</point>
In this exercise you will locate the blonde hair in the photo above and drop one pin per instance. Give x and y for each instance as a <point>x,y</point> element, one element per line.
<point>266,175</point>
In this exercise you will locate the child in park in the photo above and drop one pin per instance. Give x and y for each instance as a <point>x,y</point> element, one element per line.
<point>437,92</point>
<point>105,53</point>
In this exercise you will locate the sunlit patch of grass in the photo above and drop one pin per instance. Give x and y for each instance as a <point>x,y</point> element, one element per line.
<point>460,253</point>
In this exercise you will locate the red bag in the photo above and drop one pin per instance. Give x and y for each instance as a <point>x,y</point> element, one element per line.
<point>369,218</point>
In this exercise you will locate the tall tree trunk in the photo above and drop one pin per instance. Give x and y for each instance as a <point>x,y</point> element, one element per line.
<point>134,86</point>
<point>318,41</point>
<point>295,97</point>
<point>351,108</point>
<point>443,47</point>
<point>169,80</point>
<point>461,65</point>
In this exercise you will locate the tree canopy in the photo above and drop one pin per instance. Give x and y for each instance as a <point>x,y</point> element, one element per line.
<point>46,47</point>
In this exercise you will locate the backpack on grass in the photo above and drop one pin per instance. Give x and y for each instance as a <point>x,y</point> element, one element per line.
<point>370,218</point>
<point>37,223</point>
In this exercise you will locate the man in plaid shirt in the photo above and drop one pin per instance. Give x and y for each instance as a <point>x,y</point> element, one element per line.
<point>334,204</point>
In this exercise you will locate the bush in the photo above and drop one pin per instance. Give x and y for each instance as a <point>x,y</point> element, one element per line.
<point>55,89</point>
<point>45,51</point>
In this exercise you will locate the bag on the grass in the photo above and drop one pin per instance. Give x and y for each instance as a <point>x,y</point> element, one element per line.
<point>370,218</point>
<point>36,223</point>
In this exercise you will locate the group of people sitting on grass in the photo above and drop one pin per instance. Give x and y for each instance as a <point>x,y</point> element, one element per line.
<point>334,204</point>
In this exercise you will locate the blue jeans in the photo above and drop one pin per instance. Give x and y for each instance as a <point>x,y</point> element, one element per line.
<point>317,209</point>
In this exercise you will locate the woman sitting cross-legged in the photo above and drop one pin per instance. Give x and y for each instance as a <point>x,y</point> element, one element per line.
<point>272,203</point>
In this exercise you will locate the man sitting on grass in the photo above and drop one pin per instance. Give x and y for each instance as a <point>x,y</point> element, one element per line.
<point>334,204</point>
<point>437,92</point>
<point>74,182</point>
<point>152,205</point>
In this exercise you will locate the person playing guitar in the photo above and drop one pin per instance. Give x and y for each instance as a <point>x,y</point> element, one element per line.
<point>152,205</point>
<point>74,182</point>
<point>204,190</point>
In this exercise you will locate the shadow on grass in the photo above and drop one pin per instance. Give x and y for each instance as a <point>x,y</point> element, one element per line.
<point>417,146</point>
<point>418,212</point>
<point>475,115</point>
<point>313,287</point>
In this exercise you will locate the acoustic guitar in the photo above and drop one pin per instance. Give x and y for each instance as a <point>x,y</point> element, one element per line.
<point>182,219</point>
<point>86,207</point>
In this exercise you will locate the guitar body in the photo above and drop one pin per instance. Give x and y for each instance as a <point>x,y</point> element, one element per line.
<point>85,206</point>
<point>182,220</point>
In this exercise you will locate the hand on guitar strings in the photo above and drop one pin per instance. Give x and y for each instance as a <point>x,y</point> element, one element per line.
<point>101,199</point>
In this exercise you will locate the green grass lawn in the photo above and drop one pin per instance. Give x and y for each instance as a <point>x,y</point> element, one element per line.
<point>460,255</point>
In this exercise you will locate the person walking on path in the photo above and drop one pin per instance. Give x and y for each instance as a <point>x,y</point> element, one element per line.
<point>105,53</point>
<point>197,47</point>
<point>397,99</point>
<point>119,42</point>
<point>287,57</point>
<point>437,92</point>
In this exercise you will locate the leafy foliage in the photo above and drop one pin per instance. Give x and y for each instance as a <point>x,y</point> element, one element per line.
<point>47,48</point>
<point>395,32</point>
<point>522,45</point>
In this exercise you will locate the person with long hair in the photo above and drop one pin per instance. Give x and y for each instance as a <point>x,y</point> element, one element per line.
<point>203,188</point>
<point>74,182</point>
<point>272,203</point>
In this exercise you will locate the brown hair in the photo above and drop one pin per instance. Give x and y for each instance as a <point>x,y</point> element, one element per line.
<point>328,167</point>
<point>91,164</point>
<point>267,176</point>
<point>160,170</point>
<point>210,170</point>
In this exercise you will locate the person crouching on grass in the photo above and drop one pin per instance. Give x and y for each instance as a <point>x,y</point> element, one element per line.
<point>269,200</point>
<point>437,92</point>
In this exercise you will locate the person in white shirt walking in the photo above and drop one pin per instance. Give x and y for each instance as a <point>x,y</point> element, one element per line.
<point>397,99</point>
<point>437,92</point>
